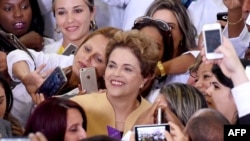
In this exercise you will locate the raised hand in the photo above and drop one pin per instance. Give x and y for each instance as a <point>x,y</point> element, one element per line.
<point>148,116</point>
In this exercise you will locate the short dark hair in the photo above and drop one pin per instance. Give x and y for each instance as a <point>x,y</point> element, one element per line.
<point>144,49</point>
<point>50,118</point>
<point>222,78</point>
<point>166,37</point>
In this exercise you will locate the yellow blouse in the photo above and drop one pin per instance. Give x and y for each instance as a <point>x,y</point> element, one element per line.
<point>100,113</point>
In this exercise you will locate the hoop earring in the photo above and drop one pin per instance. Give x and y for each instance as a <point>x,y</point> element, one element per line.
<point>141,86</point>
<point>93,26</point>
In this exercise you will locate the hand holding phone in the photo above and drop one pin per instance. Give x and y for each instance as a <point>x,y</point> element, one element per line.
<point>53,83</point>
<point>212,39</point>
<point>88,79</point>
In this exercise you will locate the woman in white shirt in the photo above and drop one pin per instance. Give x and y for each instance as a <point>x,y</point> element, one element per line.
<point>74,19</point>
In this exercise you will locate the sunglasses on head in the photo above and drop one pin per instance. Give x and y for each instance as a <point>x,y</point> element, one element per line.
<point>145,20</point>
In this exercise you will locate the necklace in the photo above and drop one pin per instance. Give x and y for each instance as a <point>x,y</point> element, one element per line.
<point>120,121</point>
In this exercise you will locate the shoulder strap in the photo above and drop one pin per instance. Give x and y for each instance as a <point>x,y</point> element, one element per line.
<point>9,42</point>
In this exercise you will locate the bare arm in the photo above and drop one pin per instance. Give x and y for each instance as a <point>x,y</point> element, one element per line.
<point>31,80</point>
<point>32,40</point>
<point>177,65</point>
<point>20,69</point>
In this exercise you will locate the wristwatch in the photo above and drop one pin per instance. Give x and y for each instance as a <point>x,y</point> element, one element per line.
<point>161,68</point>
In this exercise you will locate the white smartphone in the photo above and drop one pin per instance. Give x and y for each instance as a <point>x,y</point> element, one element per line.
<point>212,39</point>
<point>88,79</point>
<point>70,49</point>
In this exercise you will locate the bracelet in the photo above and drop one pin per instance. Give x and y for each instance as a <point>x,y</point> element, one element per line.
<point>161,68</point>
<point>233,23</point>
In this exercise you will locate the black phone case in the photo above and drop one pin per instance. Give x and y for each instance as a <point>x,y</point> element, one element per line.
<point>222,16</point>
<point>54,83</point>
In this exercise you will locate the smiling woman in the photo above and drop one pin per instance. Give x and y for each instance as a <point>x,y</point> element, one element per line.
<point>74,19</point>
<point>124,79</point>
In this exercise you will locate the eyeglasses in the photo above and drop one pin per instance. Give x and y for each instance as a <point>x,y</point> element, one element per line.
<point>145,20</point>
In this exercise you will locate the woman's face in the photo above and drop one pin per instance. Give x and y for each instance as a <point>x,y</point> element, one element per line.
<point>74,130</point>
<point>2,101</point>
<point>169,17</point>
<point>155,35</point>
<point>91,53</point>
<point>73,19</point>
<point>220,98</point>
<point>15,16</point>
<point>204,76</point>
<point>123,74</point>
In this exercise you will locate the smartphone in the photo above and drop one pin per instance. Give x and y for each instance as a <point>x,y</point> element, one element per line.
<point>212,39</point>
<point>70,49</point>
<point>153,132</point>
<point>53,83</point>
<point>88,79</point>
<point>222,16</point>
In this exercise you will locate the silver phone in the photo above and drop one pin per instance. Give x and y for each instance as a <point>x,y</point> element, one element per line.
<point>88,79</point>
<point>70,49</point>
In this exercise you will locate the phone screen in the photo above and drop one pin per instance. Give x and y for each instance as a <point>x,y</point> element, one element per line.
<point>53,84</point>
<point>213,40</point>
<point>153,132</point>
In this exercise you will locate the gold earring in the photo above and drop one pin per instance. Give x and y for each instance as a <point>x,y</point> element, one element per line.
<point>141,86</point>
<point>93,26</point>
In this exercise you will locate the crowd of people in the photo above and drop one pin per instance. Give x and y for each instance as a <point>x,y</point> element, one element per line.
<point>148,57</point>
